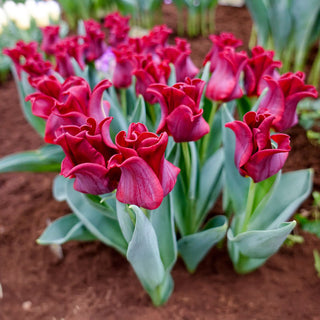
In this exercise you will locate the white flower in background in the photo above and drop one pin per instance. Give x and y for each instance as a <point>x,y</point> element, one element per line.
<point>10,9</point>
<point>53,10</point>
<point>22,19</point>
<point>31,6</point>
<point>41,15</point>
<point>3,18</point>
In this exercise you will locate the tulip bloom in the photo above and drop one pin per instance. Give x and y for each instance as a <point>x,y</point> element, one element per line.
<point>71,103</point>
<point>282,98</point>
<point>50,37</point>
<point>118,28</point>
<point>254,154</point>
<point>147,73</point>
<point>224,82</point>
<point>179,55</point>
<point>219,42</point>
<point>146,176</point>
<point>135,166</point>
<point>261,64</point>
<point>180,114</point>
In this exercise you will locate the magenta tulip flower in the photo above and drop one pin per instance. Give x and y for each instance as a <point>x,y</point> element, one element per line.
<point>224,82</point>
<point>72,103</point>
<point>254,154</point>
<point>118,28</point>
<point>146,176</point>
<point>261,64</point>
<point>283,96</point>
<point>179,55</point>
<point>181,116</point>
<point>50,37</point>
<point>219,42</point>
<point>147,73</point>
<point>88,148</point>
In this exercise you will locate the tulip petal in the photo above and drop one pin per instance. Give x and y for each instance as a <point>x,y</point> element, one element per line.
<point>244,143</point>
<point>139,185</point>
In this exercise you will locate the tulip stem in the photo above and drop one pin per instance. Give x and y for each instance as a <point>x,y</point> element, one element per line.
<point>206,138</point>
<point>123,101</point>
<point>249,207</point>
<point>187,161</point>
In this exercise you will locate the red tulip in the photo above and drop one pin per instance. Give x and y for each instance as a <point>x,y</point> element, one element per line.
<point>180,113</point>
<point>50,37</point>
<point>225,39</point>
<point>147,73</point>
<point>179,55</point>
<point>254,154</point>
<point>94,39</point>
<point>118,28</point>
<point>224,82</point>
<point>260,65</point>
<point>283,96</point>
<point>146,176</point>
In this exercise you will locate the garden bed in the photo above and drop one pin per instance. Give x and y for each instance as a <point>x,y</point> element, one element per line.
<point>93,281</point>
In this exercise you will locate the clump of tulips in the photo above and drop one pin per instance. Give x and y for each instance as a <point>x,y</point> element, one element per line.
<point>145,142</point>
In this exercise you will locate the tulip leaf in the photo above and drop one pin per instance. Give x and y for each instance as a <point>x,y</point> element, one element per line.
<point>194,247</point>
<point>25,89</point>
<point>65,229</point>
<point>280,23</point>
<point>139,112</point>
<point>250,249</point>
<point>291,190</point>
<point>210,184</point>
<point>46,158</point>
<point>258,11</point>
<point>162,220</point>
<point>172,78</point>
<point>125,222</point>
<point>236,187</point>
<point>59,188</point>
<point>143,253</point>
<point>106,229</point>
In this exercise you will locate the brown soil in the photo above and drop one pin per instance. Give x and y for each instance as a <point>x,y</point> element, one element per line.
<point>93,282</point>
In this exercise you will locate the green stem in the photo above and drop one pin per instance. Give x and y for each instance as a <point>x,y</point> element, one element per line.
<point>180,27</point>
<point>206,138</point>
<point>123,101</point>
<point>249,207</point>
<point>253,37</point>
<point>186,158</point>
<point>315,70</point>
<point>212,13</point>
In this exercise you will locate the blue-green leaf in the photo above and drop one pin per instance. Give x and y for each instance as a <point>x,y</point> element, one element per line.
<point>162,220</point>
<point>236,187</point>
<point>106,229</point>
<point>65,229</point>
<point>143,253</point>
<point>46,158</point>
<point>139,112</point>
<point>125,222</point>
<point>194,247</point>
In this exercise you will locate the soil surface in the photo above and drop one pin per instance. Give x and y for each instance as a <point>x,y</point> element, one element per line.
<point>93,282</point>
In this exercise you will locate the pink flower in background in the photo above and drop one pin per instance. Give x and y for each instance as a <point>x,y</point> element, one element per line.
<point>26,57</point>
<point>224,82</point>
<point>146,176</point>
<point>261,64</point>
<point>148,72</point>
<point>181,116</point>
<point>282,98</point>
<point>118,28</point>
<point>125,64</point>
<point>254,155</point>
<point>94,38</point>
<point>219,42</point>
<point>50,37</point>
<point>179,55</point>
